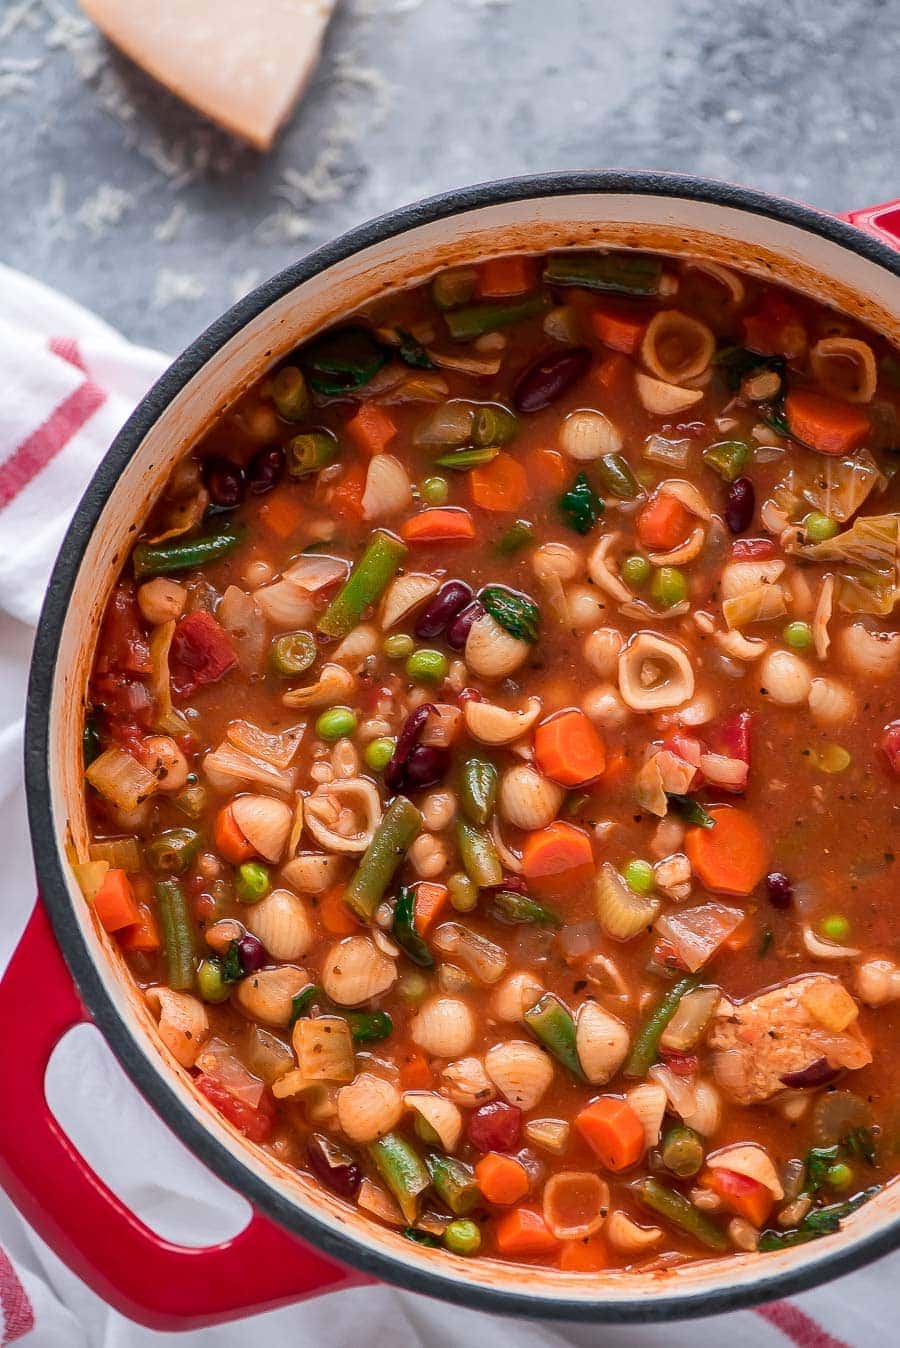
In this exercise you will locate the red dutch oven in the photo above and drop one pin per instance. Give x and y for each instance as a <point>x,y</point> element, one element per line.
<point>301,1241</point>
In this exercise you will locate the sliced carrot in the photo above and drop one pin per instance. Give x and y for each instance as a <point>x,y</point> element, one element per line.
<point>229,839</point>
<point>568,749</point>
<point>442,524</point>
<point>584,1256</point>
<point>663,523</point>
<point>557,858</point>
<point>372,429</point>
<point>502,276</point>
<point>827,424</point>
<point>620,326</point>
<point>347,494</point>
<point>748,1197</point>
<point>613,1131</point>
<point>114,902</point>
<point>430,902</point>
<point>334,913</point>
<point>731,857</point>
<point>612,374</point>
<point>144,935</point>
<point>282,514</point>
<point>524,1231</point>
<point>501,1179</point>
<point>547,469</point>
<point>501,485</point>
<point>415,1074</point>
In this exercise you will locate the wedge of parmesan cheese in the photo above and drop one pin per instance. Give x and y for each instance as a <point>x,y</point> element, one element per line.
<point>243,63</point>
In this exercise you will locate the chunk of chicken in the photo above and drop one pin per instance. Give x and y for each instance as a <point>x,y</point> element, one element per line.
<point>759,1041</point>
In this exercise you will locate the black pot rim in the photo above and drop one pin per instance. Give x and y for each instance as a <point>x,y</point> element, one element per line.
<point>151,1081</point>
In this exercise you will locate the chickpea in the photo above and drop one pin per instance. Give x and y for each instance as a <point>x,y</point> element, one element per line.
<point>428,856</point>
<point>166,761</point>
<point>161,600</point>
<point>603,705</point>
<point>585,606</point>
<point>555,559</point>
<point>601,650</point>
<point>439,810</point>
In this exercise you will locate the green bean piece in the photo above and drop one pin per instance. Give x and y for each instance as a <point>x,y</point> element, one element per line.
<point>293,653</point>
<point>454,1182</point>
<point>158,559</point>
<point>678,1211</point>
<point>343,359</point>
<point>420,1237</point>
<point>307,453</point>
<point>818,1222</point>
<point>617,477</point>
<point>290,394</point>
<point>518,536</point>
<point>621,273</point>
<point>191,801</point>
<point>396,833</point>
<point>552,1025</point>
<point>369,578</point>
<point>727,458</point>
<point>513,907</point>
<point>478,854</point>
<point>172,852</point>
<point>463,893</point>
<point>478,790</point>
<point>494,425</point>
<point>690,809</point>
<point>474,320</point>
<point>404,931</point>
<point>403,1171</point>
<point>645,1048</point>
<point>461,459</point>
<point>177,934</point>
<point>516,613</point>
<point>412,352</point>
<point>682,1151</point>
<point>90,741</point>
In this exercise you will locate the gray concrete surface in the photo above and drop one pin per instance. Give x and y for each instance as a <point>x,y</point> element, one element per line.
<point>122,197</point>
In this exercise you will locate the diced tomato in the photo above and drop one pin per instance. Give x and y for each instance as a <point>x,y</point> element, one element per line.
<point>255,1123</point>
<point>775,328</point>
<point>749,1198</point>
<point>201,653</point>
<point>890,743</point>
<point>123,646</point>
<point>689,748</point>
<point>127,705</point>
<point>731,737</point>
<point>682,1064</point>
<point>752,549</point>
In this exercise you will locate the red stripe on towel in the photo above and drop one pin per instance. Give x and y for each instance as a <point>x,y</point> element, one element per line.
<point>18,1317</point>
<point>797,1326</point>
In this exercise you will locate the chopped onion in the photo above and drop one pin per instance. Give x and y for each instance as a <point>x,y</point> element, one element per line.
<point>121,779</point>
<point>697,933</point>
<point>673,453</point>
<point>243,620</point>
<point>279,750</point>
<point>227,765</point>
<point>217,1060</point>
<point>167,719</point>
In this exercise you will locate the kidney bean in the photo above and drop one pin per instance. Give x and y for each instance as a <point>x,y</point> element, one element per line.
<point>442,609</point>
<point>496,1126</point>
<point>458,630</point>
<point>395,772</point>
<point>549,377</point>
<point>819,1073</point>
<point>224,482</point>
<point>265,470</point>
<point>426,765</point>
<point>779,889</point>
<point>740,503</point>
<point>252,952</point>
<point>333,1166</point>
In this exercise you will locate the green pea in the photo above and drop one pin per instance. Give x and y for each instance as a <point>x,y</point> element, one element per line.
<point>427,666</point>
<point>819,528</point>
<point>839,1175</point>
<point>636,570</point>
<point>463,892</point>
<point>336,723</point>
<point>638,875</point>
<point>462,1237</point>
<point>434,490</point>
<point>398,646</point>
<point>799,635</point>
<point>835,927</point>
<point>669,586</point>
<point>293,653</point>
<point>210,981</point>
<point>379,753</point>
<point>251,883</point>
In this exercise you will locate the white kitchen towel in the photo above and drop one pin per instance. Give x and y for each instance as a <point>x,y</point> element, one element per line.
<point>67,382</point>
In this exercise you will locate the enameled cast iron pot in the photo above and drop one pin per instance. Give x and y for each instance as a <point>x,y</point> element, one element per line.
<point>850,263</point>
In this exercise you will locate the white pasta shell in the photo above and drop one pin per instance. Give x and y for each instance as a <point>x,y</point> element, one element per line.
<point>785,677</point>
<point>358,646</point>
<point>490,724</point>
<point>706,1114</point>
<point>742,577</point>
<point>323,810</point>
<point>750,1159</point>
<point>601,1042</point>
<point>601,650</point>
<point>874,654</point>
<point>491,652</point>
<point>549,1134</point>
<point>182,1022</point>
<point>625,1235</point>
<point>527,799</point>
<point>878,982</point>
<point>264,822</point>
<point>355,970</point>
<point>403,596</point>
<point>267,996</point>
<point>676,347</point>
<point>831,702</point>
<point>285,605</point>
<point>516,995</point>
<point>521,1072</point>
<point>387,489</point>
<point>832,357</point>
<point>467,1083</point>
<point>662,399</point>
<point>654,673</point>
<point>313,872</point>
<point>368,1108</point>
<point>283,923</point>
<point>444,1027</point>
<point>588,434</point>
<point>648,1100</point>
<point>439,1113</point>
<point>578,1219</point>
<point>334,684</point>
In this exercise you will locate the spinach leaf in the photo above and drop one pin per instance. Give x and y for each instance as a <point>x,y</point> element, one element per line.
<point>515,613</point>
<point>580,506</point>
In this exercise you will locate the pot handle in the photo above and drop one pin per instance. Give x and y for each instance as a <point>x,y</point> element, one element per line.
<point>882,222</point>
<point>150,1280</point>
